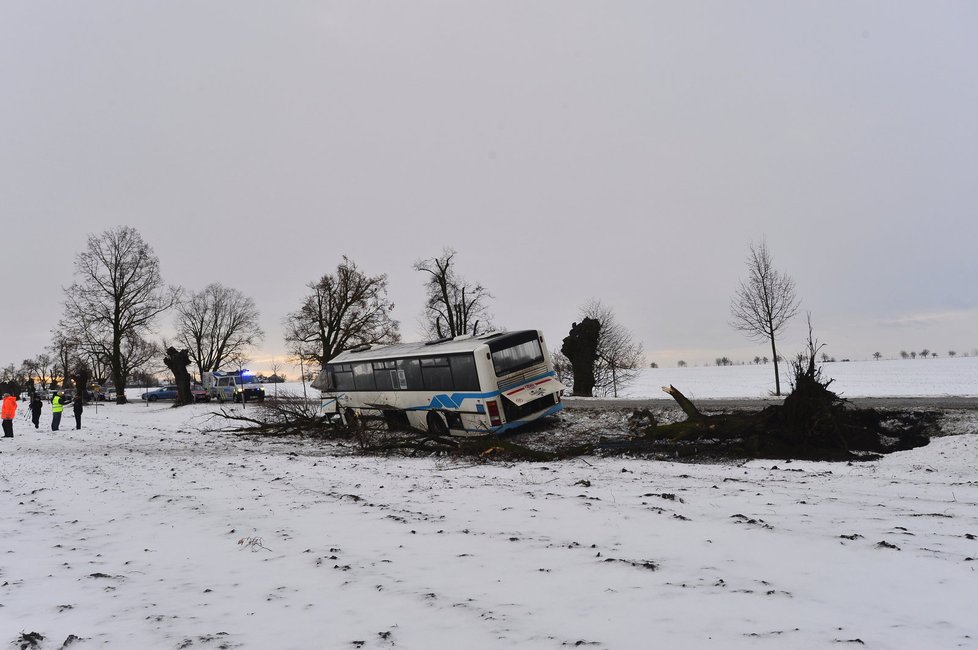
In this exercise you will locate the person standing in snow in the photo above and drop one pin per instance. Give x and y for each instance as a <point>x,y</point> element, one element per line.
<point>7,413</point>
<point>35,408</point>
<point>78,406</point>
<point>57,406</point>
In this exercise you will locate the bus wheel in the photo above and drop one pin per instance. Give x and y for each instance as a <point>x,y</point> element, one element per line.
<point>436,424</point>
<point>396,421</point>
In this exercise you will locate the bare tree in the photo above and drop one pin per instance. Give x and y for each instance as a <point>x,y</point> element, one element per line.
<point>619,356</point>
<point>217,325</point>
<point>681,364</point>
<point>562,367</point>
<point>343,310</point>
<point>877,356</point>
<point>64,353</point>
<point>116,300</point>
<point>924,353</point>
<point>951,353</point>
<point>764,302</point>
<point>453,306</point>
<point>45,368</point>
<point>277,375</point>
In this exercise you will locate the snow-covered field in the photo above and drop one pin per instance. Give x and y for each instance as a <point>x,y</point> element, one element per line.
<point>143,531</point>
<point>938,377</point>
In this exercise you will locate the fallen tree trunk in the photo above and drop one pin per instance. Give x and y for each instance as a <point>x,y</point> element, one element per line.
<point>813,423</point>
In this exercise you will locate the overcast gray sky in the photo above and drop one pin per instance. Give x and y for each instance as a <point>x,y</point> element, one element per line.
<point>626,151</point>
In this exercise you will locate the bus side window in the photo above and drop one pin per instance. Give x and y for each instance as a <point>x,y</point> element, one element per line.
<point>343,377</point>
<point>382,376</point>
<point>464,374</point>
<point>363,376</point>
<point>437,373</point>
<point>411,368</point>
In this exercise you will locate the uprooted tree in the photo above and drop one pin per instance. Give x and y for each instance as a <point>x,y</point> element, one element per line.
<point>813,423</point>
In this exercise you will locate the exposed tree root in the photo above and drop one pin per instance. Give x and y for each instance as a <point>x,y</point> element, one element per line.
<point>813,423</point>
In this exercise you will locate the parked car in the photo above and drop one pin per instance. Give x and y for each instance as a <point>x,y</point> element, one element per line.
<point>101,393</point>
<point>169,391</point>
<point>163,392</point>
<point>200,393</point>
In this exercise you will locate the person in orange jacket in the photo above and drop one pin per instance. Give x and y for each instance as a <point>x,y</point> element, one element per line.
<point>7,413</point>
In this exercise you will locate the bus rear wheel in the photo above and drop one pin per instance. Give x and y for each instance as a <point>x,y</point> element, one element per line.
<point>436,424</point>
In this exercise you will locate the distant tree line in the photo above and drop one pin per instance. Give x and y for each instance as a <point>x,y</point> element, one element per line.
<point>108,330</point>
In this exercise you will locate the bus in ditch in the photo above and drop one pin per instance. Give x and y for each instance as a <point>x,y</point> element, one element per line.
<point>467,385</point>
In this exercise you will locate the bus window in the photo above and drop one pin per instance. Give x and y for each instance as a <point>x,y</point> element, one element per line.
<point>343,377</point>
<point>383,375</point>
<point>464,375</point>
<point>411,369</point>
<point>437,374</point>
<point>329,383</point>
<point>363,376</point>
<point>517,357</point>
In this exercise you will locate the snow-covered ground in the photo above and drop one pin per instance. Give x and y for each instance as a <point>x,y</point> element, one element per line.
<point>938,377</point>
<point>143,531</point>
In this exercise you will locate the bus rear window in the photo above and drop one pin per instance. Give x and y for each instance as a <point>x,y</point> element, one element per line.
<point>517,357</point>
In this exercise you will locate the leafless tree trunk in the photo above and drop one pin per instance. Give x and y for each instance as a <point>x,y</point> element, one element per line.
<point>344,310</point>
<point>452,307</point>
<point>216,326</point>
<point>116,299</point>
<point>177,361</point>
<point>581,347</point>
<point>764,302</point>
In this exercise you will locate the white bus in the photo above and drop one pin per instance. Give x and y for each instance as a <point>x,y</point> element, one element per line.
<point>463,386</point>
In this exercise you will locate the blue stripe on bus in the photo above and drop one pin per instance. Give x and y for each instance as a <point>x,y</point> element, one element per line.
<point>454,401</point>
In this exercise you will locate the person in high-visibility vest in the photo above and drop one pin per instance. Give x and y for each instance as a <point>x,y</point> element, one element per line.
<point>57,406</point>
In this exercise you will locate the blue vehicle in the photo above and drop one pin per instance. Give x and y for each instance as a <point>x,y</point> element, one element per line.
<point>163,392</point>
<point>198,392</point>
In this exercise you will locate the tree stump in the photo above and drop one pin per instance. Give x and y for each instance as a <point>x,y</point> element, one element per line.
<point>581,348</point>
<point>177,361</point>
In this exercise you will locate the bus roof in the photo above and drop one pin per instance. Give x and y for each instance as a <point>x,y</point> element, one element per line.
<point>423,349</point>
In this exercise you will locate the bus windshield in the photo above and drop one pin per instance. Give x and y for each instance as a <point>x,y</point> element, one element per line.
<point>517,357</point>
